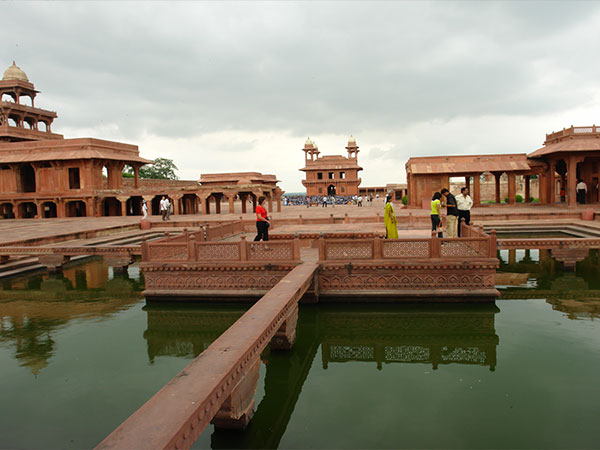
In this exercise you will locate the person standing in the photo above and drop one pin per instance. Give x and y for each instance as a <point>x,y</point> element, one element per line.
<point>168,207</point>
<point>581,191</point>
<point>262,221</point>
<point>144,208</point>
<point>389,218</point>
<point>436,214</point>
<point>163,207</point>
<point>464,204</point>
<point>451,213</point>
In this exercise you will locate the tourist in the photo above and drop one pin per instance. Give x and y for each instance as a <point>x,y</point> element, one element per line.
<point>169,208</point>
<point>371,199</point>
<point>464,204</point>
<point>163,207</point>
<point>436,214</point>
<point>389,218</point>
<point>262,221</point>
<point>144,209</point>
<point>581,191</point>
<point>451,214</point>
<point>324,201</point>
<point>360,201</point>
<point>563,197</point>
<point>333,201</point>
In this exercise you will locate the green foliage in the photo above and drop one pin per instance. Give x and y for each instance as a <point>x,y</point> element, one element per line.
<point>405,200</point>
<point>531,199</point>
<point>128,172</point>
<point>162,169</point>
<point>519,198</point>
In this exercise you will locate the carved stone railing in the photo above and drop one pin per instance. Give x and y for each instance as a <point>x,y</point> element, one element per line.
<point>385,249</point>
<point>208,252</point>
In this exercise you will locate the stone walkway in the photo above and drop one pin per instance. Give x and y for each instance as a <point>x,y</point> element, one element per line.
<point>51,230</point>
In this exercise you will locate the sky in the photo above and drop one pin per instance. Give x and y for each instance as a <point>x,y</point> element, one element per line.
<point>239,86</point>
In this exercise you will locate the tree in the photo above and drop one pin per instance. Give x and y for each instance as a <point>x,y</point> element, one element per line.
<point>163,169</point>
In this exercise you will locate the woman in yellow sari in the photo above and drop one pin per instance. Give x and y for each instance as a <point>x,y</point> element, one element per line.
<point>389,218</point>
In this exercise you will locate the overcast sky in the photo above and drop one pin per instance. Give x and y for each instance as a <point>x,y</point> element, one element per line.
<point>221,87</point>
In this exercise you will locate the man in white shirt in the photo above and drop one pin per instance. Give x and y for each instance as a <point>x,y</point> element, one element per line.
<point>581,191</point>
<point>163,207</point>
<point>464,204</point>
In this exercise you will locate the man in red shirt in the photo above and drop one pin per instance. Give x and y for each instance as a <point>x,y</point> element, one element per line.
<point>262,221</point>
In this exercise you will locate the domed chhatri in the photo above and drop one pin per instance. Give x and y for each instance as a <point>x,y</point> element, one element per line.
<point>351,141</point>
<point>14,72</point>
<point>308,143</point>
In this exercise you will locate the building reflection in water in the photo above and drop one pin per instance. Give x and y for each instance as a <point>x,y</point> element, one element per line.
<point>33,308</point>
<point>576,293</point>
<point>429,334</point>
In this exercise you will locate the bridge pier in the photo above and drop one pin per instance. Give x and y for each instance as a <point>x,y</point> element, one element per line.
<point>53,261</point>
<point>119,262</point>
<point>238,408</point>
<point>286,334</point>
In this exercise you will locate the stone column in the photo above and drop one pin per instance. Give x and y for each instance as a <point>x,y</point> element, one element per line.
<point>206,205</point>
<point>243,198</point>
<point>231,199</point>
<point>176,204</point>
<point>551,200</point>
<point>136,177</point>
<point>218,204</point>
<point>571,180</point>
<point>512,188</point>
<point>148,199</point>
<point>270,203</point>
<point>476,189</point>
<point>468,183</point>
<point>61,208</point>
<point>527,188</point>
<point>123,201</point>
<point>278,204</point>
<point>497,176</point>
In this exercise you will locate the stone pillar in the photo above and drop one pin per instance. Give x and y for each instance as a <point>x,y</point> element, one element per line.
<point>572,181</point>
<point>286,335</point>
<point>243,198</point>
<point>53,261</point>
<point>476,189</point>
<point>527,188</point>
<point>218,204</point>
<point>254,202</point>
<point>17,211</point>
<point>177,204</point>
<point>231,199</point>
<point>61,208</point>
<point>238,408</point>
<point>123,206</point>
<point>512,256</point>
<point>119,262</point>
<point>551,188</point>
<point>270,203</point>
<point>468,183</point>
<point>148,203</point>
<point>497,176</point>
<point>206,205</point>
<point>512,188</point>
<point>136,177</point>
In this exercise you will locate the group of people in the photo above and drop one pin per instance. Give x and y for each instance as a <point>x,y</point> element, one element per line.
<point>457,209</point>
<point>165,207</point>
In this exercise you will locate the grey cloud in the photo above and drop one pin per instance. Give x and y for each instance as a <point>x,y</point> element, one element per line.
<point>182,69</point>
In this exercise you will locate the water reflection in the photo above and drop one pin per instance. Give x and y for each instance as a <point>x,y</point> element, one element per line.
<point>33,309</point>
<point>432,334</point>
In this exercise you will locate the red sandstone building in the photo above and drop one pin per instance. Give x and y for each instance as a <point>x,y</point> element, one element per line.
<point>331,175</point>
<point>567,155</point>
<point>44,175</point>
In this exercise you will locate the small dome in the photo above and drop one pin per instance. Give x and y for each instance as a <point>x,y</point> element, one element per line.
<point>351,141</point>
<point>14,72</point>
<point>308,142</point>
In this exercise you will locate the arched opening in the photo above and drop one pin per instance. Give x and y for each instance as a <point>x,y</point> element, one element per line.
<point>9,97</point>
<point>13,122</point>
<point>155,205</point>
<point>189,204</point>
<point>128,172</point>
<point>111,206</point>
<point>28,210</point>
<point>42,126</point>
<point>26,100</point>
<point>27,178</point>
<point>28,123</point>
<point>105,183</point>
<point>6,211</point>
<point>75,208</point>
<point>561,184</point>
<point>134,206</point>
<point>48,210</point>
<point>331,189</point>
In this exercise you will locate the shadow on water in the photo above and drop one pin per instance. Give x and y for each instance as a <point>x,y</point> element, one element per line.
<point>434,335</point>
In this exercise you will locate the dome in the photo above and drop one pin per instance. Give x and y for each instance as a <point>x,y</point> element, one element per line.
<point>351,141</point>
<point>14,72</point>
<point>308,143</point>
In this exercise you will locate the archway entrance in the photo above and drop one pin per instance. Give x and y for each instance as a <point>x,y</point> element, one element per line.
<point>48,210</point>
<point>28,210</point>
<point>112,206</point>
<point>134,206</point>
<point>75,209</point>
<point>331,190</point>
<point>27,178</point>
<point>6,211</point>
